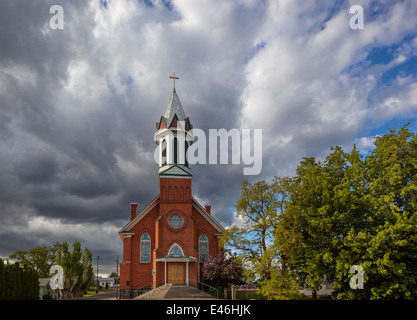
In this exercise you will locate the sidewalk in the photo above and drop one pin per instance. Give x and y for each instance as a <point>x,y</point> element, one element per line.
<point>175,292</point>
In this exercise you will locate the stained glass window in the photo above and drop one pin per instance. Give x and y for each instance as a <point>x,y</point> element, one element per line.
<point>176,251</point>
<point>145,248</point>
<point>203,249</point>
<point>175,221</point>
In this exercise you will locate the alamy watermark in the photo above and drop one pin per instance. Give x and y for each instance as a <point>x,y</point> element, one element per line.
<point>356,281</point>
<point>57,20</point>
<point>213,149</point>
<point>356,21</point>
<point>57,280</point>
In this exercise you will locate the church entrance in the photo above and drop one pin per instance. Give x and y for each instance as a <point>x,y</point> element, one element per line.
<point>176,272</point>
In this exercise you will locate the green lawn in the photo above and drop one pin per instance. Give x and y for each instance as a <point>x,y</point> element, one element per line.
<point>92,291</point>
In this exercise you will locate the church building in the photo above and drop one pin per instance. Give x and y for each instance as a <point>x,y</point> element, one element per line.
<point>169,240</point>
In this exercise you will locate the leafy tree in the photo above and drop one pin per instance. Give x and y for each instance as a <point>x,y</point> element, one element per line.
<point>223,270</point>
<point>39,258</point>
<point>115,276</point>
<point>385,245</point>
<point>77,267</point>
<point>260,207</point>
<point>352,211</point>
<point>257,209</point>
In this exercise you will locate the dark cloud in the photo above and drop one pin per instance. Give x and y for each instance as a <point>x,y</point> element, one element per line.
<point>78,106</point>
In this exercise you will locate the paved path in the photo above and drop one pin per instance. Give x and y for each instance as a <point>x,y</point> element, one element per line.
<point>175,292</point>
<point>110,295</point>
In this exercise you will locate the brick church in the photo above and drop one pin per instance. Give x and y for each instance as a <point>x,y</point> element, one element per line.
<point>169,240</point>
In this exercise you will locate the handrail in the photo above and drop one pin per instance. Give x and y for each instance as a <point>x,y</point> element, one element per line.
<point>204,284</point>
<point>150,283</point>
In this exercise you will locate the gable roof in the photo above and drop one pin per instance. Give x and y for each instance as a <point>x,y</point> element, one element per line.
<point>126,230</point>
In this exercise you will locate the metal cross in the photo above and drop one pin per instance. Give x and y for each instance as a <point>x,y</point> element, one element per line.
<point>173,78</point>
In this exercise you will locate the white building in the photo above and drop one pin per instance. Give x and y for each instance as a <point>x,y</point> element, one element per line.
<point>110,281</point>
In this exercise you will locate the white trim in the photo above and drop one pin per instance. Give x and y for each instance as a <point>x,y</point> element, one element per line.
<point>186,273</point>
<point>176,177</point>
<point>174,168</point>
<point>208,217</point>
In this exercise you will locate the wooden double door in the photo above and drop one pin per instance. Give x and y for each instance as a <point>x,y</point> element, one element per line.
<point>176,272</point>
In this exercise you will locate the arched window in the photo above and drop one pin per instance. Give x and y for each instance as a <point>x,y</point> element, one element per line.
<point>186,155</point>
<point>176,151</point>
<point>203,248</point>
<point>176,251</point>
<point>145,248</point>
<point>164,152</point>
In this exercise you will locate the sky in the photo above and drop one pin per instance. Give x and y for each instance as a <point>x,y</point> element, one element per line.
<point>79,104</point>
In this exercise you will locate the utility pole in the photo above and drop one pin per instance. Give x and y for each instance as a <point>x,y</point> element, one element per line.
<point>117,277</point>
<point>97,286</point>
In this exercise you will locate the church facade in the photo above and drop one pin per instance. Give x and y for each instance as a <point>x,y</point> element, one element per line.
<point>169,240</point>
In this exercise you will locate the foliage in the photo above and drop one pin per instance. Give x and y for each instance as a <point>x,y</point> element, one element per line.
<point>78,270</point>
<point>223,270</point>
<point>260,208</point>
<point>39,258</point>
<point>346,210</point>
<point>115,276</point>
<point>352,211</point>
<point>18,282</point>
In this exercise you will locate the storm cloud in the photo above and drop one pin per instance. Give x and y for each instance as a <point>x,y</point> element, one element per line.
<point>78,105</point>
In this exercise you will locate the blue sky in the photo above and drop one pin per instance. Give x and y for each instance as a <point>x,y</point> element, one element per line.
<point>79,105</point>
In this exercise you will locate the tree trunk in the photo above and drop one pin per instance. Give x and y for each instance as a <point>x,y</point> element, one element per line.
<point>314,294</point>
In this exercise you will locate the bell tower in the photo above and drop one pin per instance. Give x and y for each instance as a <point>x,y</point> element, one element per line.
<point>174,136</point>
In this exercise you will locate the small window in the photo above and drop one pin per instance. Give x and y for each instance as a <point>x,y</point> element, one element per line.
<point>145,248</point>
<point>203,248</point>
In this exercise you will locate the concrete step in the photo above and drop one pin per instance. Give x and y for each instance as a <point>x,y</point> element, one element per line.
<point>175,292</point>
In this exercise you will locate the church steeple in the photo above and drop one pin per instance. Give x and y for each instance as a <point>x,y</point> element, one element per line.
<point>173,135</point>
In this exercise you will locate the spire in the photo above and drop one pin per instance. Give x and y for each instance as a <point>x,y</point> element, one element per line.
<point>174,135</point>
<point>174,107</point>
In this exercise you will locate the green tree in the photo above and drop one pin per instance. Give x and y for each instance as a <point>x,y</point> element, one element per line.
<point>352,211</point>
<point>257,209</point>
<point>385,245</point>
<point>77,267</point>
<point>260,207</point>
<point>39,258</point>
<point>18,282</point>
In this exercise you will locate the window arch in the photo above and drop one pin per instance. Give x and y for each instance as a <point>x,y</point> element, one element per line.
<point>203,248</point>
<point>145,248</point>
<point>186,155</point>
<point>176,251</point>
<point>164,152</point>
<point>175,150</point>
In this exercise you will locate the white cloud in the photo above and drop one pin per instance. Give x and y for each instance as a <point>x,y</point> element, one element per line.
<point>299,84</point>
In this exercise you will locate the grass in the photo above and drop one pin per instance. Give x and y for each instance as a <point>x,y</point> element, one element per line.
<point>92,291</point>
